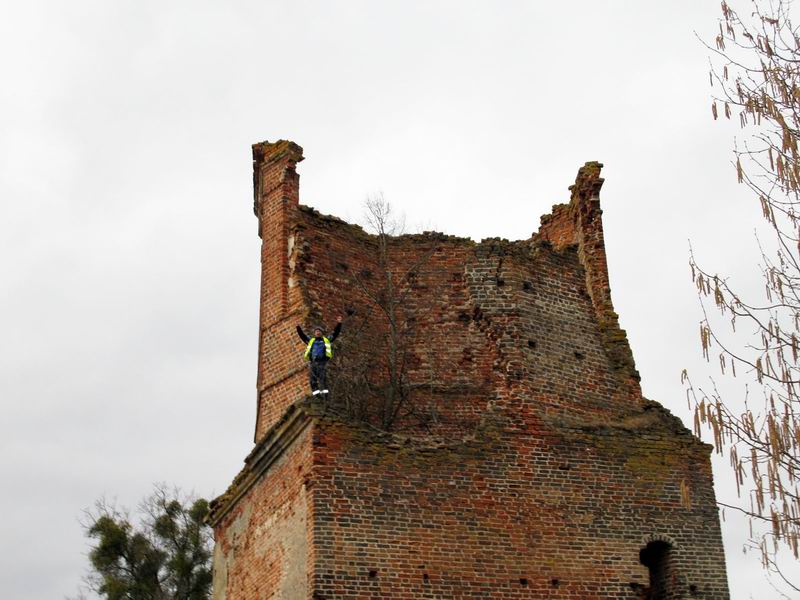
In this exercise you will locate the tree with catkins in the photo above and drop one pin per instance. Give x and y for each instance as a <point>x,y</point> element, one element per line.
<point>755,75</point>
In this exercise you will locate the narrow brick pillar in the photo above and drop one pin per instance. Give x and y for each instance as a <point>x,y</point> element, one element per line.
<point>580,224</point>
<point>588,224</point>
<point>276,189</point>
<point>585,203</point>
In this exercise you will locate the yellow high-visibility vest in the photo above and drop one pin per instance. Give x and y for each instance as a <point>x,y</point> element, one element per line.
<point>328,348</point>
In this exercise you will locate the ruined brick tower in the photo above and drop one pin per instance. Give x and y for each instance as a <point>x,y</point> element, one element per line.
<point>528,464</point>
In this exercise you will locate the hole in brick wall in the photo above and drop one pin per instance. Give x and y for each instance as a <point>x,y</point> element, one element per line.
<point>526,285</point>
<point>463,317</point>
<point>425,577</point>
<point>342,266</point>
<point>657,557</point>
<point>466,356</point>
<point>555,582</point>
<point>693,589</point>
<point>564,467</point>
<point>578,355</point>
<point>500,282</point>
<point>365,274</point>
<point>373,574</point>
<point>523,581</point>
<point>477,314</point>
<point>531,343</point>
<point>349,311</point>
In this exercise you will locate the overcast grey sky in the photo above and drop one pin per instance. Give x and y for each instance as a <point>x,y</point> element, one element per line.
<point>128,248</point>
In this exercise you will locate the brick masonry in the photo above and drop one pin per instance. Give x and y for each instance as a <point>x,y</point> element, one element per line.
<point>530,466</point>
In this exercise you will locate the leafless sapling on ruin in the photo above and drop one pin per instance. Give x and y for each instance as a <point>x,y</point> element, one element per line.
<point>756,77</point>
<point>375,385</point>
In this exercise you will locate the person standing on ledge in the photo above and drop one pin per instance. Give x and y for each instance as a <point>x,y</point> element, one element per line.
<point>319,350</point>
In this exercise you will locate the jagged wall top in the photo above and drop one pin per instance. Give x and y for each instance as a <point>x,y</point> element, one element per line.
<point>309,261</point>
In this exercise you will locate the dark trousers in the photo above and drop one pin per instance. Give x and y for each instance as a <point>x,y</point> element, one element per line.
<point>316,374</point>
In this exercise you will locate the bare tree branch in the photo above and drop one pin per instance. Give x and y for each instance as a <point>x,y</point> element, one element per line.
<point>755,70</point>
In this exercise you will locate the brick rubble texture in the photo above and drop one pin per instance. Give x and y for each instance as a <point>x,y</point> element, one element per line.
<point>542,473</point>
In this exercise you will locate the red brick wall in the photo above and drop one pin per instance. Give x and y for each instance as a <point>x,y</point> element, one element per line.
<point>449,356</point>
<point>580,475</point>
<point>472,309</point>
<point>264,545</point>
<point>471,306</point>
<point>526,463</point>
<point>531,515</point>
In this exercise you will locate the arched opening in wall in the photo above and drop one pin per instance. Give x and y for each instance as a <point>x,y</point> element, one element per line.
<point>657,557</point>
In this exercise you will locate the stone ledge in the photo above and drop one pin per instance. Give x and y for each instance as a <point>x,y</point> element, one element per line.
<point>266,452</point>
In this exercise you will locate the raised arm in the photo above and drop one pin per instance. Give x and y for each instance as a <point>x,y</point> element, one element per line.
<point>302,335</point>
<point>337,330</point>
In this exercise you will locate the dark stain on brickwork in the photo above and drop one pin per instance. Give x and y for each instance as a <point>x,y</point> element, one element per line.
<point>541,470</point>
